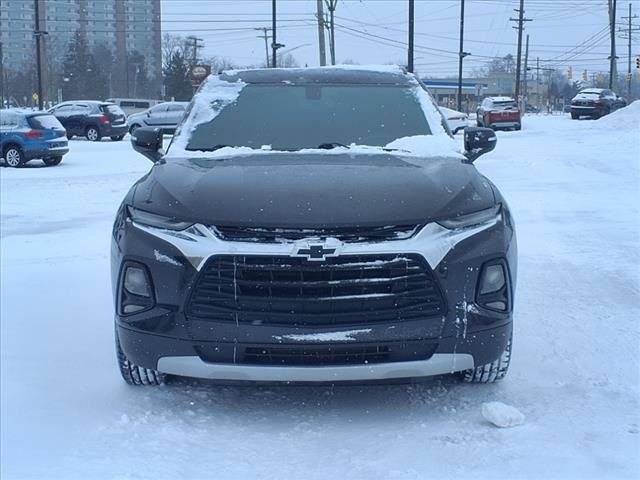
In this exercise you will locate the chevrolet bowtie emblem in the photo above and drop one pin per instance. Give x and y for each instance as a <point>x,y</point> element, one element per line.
<point>316,251</point>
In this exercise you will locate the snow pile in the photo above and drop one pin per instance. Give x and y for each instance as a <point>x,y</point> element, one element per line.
<point>627,118</point>
<point>501,415</point>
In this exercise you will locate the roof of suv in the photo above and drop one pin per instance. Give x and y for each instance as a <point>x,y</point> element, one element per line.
<point>502,99</point>
<point>352,74</point>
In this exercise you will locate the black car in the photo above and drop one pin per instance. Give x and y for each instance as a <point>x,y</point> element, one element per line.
<point>313,225</point>
<point>595,103</point>
<point>91,119</point>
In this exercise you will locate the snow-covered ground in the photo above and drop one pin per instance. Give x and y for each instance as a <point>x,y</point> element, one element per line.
<point>574,188</point>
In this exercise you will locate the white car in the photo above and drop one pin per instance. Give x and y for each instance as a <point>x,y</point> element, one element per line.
<point>456,120</point>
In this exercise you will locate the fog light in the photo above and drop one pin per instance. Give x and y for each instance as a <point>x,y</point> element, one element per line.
<point>493,291</point>
<point>135,282</point>
<point>136,289</point>
<point>492,280</point>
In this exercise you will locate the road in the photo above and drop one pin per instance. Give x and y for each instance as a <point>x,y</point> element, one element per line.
<point>65,413</point>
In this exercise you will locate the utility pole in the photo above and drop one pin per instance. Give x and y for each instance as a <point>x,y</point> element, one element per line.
<point>612,57</point>
<point>38,33</point>
<point>195,46</point>
<point>628,31</point>
<point>331,5</point>
<point>526,74</point>
<point>538,80</point>
<point>321,44</point>
<point>461,55</point>
<point>412,12</point>
<point>2,83</point>
<point>520,28</point>
<point>265,36</point>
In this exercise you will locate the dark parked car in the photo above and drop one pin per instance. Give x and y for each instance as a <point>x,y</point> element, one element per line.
<point>27,135</point>
<point>164,115</point>
<point>91,119</point>
<point>499,113</point>
<point>323,248</point>
<point>595,103</point>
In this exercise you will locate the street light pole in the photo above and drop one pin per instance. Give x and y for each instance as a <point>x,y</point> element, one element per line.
<point>461,55</point>
<point>38,34</point>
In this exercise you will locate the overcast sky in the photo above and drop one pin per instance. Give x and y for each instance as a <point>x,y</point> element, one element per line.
<point>562,33</point>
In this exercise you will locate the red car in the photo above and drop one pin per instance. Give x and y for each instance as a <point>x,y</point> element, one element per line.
<point>499,112</point>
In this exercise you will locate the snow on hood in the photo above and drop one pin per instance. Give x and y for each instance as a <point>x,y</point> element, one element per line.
<point>215,94</point>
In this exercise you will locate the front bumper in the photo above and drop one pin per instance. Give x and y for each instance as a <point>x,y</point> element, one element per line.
<point>165,339</point>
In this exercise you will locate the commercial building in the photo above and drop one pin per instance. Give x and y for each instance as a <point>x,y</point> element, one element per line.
<point>122,26</point>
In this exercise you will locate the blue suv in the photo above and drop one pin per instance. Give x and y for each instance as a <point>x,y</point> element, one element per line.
<point>27,135</point>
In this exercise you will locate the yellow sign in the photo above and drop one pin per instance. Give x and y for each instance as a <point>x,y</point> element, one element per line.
<point>35,97</point>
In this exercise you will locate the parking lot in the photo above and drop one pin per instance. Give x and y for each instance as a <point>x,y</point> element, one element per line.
<point>573,187</point>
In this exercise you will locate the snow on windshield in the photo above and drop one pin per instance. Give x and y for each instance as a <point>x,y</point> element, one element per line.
<point>213,96</point>
<point>216,94</point>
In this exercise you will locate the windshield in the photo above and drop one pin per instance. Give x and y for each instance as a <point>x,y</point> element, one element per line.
<point>288,117</point>
<point>45,122</point>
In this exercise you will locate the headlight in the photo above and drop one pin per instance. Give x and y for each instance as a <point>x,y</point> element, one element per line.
<point>473,219</point>
<point>158,221</point>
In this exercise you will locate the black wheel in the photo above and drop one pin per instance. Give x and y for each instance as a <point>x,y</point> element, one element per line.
<point>13,156</point>
<point>52,162</point>
<point>574,116</point>
<point>133,127</point>
<point>490,372</point>
<point>135,375</point>
<point>117,138</point>
<point>519,127</point>
<point>93,134</point>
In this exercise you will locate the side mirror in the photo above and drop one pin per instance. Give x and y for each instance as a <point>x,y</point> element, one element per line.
<point>477,142</point>
<point>148,142</point>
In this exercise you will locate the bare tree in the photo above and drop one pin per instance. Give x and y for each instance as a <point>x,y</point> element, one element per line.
<point>172,44</point>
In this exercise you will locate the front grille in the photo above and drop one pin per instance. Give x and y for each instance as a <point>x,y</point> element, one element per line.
<point>344,290</point>
<point>318,354</point>
<point>344,234</point>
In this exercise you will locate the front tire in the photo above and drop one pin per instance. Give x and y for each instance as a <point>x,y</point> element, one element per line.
<point>93,134</point>
<point>117,138</point>
<point>133,127</point>
<point>134,374</point>
<point>490,372</point>
<point>52,162</point>
<point>13,156</point>
<point>574,116</point>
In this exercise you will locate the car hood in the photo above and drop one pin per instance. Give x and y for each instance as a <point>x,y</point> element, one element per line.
<point>312,190</point>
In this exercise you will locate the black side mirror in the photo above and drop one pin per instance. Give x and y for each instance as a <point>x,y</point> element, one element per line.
<point>477,142</point>
<point>148,142</point>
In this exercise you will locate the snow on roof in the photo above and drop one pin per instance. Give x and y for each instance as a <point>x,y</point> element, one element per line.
<point>502,99</point>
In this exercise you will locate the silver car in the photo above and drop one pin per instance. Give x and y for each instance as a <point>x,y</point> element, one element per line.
<point>164,115</point>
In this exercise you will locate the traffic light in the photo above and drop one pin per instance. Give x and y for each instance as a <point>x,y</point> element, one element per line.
<point>570,74</point>
<point>638,61</point>
<point>585,75</point>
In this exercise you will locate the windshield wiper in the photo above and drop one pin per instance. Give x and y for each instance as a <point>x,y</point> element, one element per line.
<point>331,146</point>
<point>207,149</point>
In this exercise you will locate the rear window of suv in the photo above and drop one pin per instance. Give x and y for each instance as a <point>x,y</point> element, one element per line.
<point>114,109</point>
<point>44,122</point>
